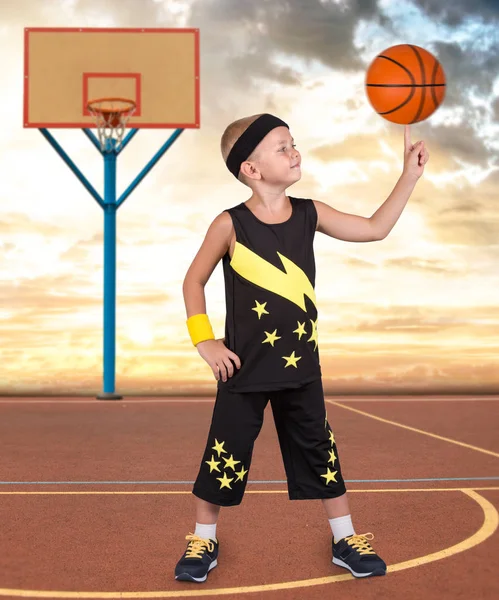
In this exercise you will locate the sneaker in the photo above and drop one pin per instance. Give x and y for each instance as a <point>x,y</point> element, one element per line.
<point>356,554</point>
<point>198,560</point>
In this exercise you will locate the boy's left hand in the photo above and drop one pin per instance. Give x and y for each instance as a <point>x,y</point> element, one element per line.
<point>415,155</point>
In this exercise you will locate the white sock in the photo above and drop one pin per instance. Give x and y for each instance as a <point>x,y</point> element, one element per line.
<point>207,532</point>
<point>341,527</point>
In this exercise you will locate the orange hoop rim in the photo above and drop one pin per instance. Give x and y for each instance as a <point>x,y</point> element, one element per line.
<point>99,110</point>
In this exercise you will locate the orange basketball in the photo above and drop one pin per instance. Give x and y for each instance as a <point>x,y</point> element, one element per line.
<point>405,84</point>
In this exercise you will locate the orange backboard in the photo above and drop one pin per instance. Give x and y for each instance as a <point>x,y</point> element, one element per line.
<point>158,69</point>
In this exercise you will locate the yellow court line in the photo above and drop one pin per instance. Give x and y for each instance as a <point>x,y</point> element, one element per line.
<point>491,521</point>
<point>184,492</point>
<point>433,435</point>
<point>488,527</point>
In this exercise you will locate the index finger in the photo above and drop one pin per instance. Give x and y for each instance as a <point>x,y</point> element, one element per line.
<point>407,136</point>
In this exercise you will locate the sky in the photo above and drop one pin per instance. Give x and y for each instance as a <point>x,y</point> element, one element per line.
<point>417,312</point>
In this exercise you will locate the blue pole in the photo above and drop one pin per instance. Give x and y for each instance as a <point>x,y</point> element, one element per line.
<point>56,146</point>
<point>110,209</point>
<point>128,139</point>
<point>93,138</point>
<point>149,166</point>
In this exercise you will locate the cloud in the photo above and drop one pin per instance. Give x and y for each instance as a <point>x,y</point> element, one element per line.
<point>466,215</point>
<point>459,11</point>
<point>408,264</point>
<point>321,30</point>
<point>449,147</point>
<point>252,47</point>
<point>425,378</point>
<point>476,233</point>
<point>421,321</point>
<point>16,223</point>
<point>86,13</point>
<point>467,68</point>
<point>362,147</point>
<point>495,109</point>
<point>461,142</point>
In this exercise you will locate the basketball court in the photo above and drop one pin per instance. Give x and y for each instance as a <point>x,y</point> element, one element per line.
<point>96,501</point>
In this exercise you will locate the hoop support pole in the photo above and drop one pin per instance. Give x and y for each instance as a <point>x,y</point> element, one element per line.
<point>110,209</point>
<point>128,139</point>
<point>56,146</point>
<point>174,136</point>
<point>92,137</point>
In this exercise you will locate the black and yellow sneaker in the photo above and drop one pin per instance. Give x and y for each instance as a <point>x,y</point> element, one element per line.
<point>356,554</point>
<point>198,560</point>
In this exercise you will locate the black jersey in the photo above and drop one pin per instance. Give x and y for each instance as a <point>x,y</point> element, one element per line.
<point>271,321</point>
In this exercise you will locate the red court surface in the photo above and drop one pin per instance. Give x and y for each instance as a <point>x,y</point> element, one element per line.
<point>96,502</point>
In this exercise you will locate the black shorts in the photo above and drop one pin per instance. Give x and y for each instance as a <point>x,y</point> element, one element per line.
<point>306,440</point>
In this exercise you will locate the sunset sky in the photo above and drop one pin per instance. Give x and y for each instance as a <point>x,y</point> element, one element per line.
<point>417,311</point>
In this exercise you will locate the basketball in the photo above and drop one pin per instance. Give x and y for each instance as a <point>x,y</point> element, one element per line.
<point>405,84</point>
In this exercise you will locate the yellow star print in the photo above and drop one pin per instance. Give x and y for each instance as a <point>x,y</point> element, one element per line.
<point>313,337</point>
<point>300,330</point>
<point>291,360</point>
<point>330,476</point>
<point>260,309</point>
<point>331,437</point>
<point>213,464</point>
<point>230,463</point>
<point>219,447</point>
<point>332,457</point>
<point>225,481</point>
<point>271,337</point>
<point>240,474</point>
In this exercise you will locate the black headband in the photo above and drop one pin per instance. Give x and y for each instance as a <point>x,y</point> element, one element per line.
<point>250,139</point>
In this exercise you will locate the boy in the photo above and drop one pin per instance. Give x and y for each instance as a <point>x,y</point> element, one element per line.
<point>270,347</point>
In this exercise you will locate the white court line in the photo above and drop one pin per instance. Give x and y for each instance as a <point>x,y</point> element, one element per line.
<point>415,429</point>
<point>416,399</point>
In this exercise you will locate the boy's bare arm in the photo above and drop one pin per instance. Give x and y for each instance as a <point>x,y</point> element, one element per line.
<point>215,244</point>
<point>344,226</point>
<point>355,228</point>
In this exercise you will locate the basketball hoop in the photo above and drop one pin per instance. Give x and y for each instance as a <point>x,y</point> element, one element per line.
<point>111,117</point>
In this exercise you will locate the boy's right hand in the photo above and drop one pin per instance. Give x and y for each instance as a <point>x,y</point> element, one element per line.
<point>219,357</point>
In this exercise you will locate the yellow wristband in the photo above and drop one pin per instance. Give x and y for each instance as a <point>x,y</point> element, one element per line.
<point>199,328</point>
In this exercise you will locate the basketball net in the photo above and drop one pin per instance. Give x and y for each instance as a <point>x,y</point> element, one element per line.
<point>111,117</point>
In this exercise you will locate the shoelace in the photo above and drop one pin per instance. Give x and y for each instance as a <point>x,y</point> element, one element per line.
<point>361,543</point>
<point>197,546</point>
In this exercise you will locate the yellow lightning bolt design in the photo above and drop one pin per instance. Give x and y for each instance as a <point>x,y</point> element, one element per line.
<point>292,283</point>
